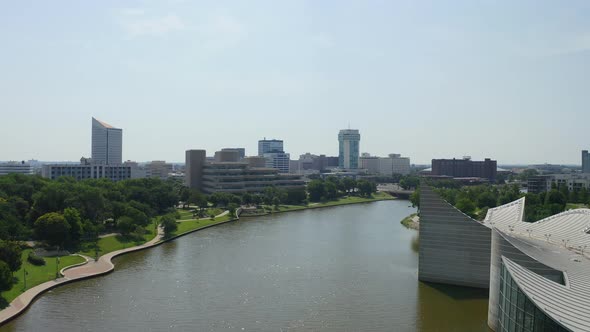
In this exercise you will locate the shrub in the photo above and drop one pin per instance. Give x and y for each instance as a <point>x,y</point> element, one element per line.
<point>35,260</point>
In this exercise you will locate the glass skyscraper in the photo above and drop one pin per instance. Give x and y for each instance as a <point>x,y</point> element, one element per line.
<point>348,154</point>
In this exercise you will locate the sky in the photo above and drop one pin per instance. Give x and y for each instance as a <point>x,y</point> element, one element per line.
<point>507,80</point>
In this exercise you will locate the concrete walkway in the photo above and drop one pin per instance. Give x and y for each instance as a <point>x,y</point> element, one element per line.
<point>81,271</point>
<point>217,216</point>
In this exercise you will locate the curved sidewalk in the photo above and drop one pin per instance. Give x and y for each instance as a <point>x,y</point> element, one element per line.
<point>73,273</point>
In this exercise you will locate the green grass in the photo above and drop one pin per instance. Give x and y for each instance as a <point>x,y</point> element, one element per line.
<point>117,242</point>
<point>37,274</point>
<point>407,221</point>
<point>341,201</point>
<point>187,214</point>
<point>187,226</point>
<point>571,206</point>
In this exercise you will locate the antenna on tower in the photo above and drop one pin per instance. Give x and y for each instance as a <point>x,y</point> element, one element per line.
<point>348,125</point>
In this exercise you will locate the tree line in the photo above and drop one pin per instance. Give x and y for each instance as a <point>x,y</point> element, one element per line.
<point>476,200</point>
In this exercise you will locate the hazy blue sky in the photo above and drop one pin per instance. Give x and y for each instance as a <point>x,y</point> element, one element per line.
<point>503,79</point>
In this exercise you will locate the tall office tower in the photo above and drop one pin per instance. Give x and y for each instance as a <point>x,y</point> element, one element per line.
<point>348,155</point>
<point>195,160</point>
<point>585,161</point>
<point>107,143</point>
<point>270,146</point>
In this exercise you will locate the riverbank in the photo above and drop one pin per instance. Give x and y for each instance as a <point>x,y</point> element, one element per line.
<point>267,209</point>
<point>111,247</point>
<point>412,221</point>
<point>79,267</point>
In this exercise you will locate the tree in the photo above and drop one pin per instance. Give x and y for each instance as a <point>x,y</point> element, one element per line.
<point>138,217</point>
<point>52,228</point>
<point>126,225</point>
<point>6,280</point>
<point>415,198</point>
<point>10,253</point>
<point>169,224</point>
<point>295,196</point>
<point>72,217</point>
<point>349,184</point>
<point>232,207</point>
<point>409,182</point>
<point>247,198</point>
<point>366,188</point>
<point>184,196</point>
<point>486,198</point>
<point>330,190</point>
<point>466,206</point>
<point>315,188</point>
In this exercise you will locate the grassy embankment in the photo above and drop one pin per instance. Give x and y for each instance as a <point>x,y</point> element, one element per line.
<point>36,274</point>
<point>187,223</point>
<point>117,242</point>
<point>341,201</point>
<point>408,222</point>
<point>571,206</point>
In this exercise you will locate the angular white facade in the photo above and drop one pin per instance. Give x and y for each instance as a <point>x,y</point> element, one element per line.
<point>107,143</point>
<point>538,272</point>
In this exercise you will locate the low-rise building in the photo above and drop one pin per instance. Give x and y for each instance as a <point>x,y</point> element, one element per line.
<point>12,167</point>
<point>158,169</point>
<point>541,183</point>
<point>392,164</point>
<point>87,169</point>
<point>234,177</point>
<point>464,168</point>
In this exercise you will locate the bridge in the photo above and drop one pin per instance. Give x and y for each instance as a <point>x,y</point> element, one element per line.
<point>395,190</point>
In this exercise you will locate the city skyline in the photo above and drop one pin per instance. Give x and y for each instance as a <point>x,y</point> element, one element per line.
<point>425,80</point>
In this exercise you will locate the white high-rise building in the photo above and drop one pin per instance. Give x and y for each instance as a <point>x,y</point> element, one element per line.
<point>107,143</point>
<point>348,152</point>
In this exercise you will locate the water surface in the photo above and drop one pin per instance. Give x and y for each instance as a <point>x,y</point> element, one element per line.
<point>348,268</point>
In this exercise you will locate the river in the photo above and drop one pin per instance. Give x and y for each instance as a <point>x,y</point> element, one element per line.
<point>347,268</point>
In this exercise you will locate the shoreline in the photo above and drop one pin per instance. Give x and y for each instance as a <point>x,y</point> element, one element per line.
<point>411,222</point>
<point>319,206</point>
<point>104,264</point>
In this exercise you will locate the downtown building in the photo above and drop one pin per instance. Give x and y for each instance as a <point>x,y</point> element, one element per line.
<point>106,161</point>
<point>272,150</point>
<point>465,168</point>
<point>393,164</point>
<point>15,167</point>
<point>537,273</point>
<point>229,174</point>
<point>585,161</point>
<point>348,148</point>
<point>540,183</point>
<point>107,143</point>
<point>87,169</point>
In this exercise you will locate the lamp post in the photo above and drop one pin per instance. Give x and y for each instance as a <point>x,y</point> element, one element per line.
<point>25,277</point>
<point>57,264</point>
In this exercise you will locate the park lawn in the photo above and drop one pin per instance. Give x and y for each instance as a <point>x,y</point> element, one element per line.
<point>187,214</point>
<point>37,274</point>
<point>187,226</point>
<point>379,196</point>
<point>571,206</point>
<point>116,242</point>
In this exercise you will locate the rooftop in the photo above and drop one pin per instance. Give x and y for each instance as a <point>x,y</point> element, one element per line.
<point>558,242</point>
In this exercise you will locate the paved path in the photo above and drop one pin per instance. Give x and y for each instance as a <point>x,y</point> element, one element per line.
<point>217,216</point>
<point>107,235</point>
<point>85,270</point>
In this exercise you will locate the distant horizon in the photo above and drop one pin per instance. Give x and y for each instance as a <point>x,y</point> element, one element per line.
<point>503,80</point>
